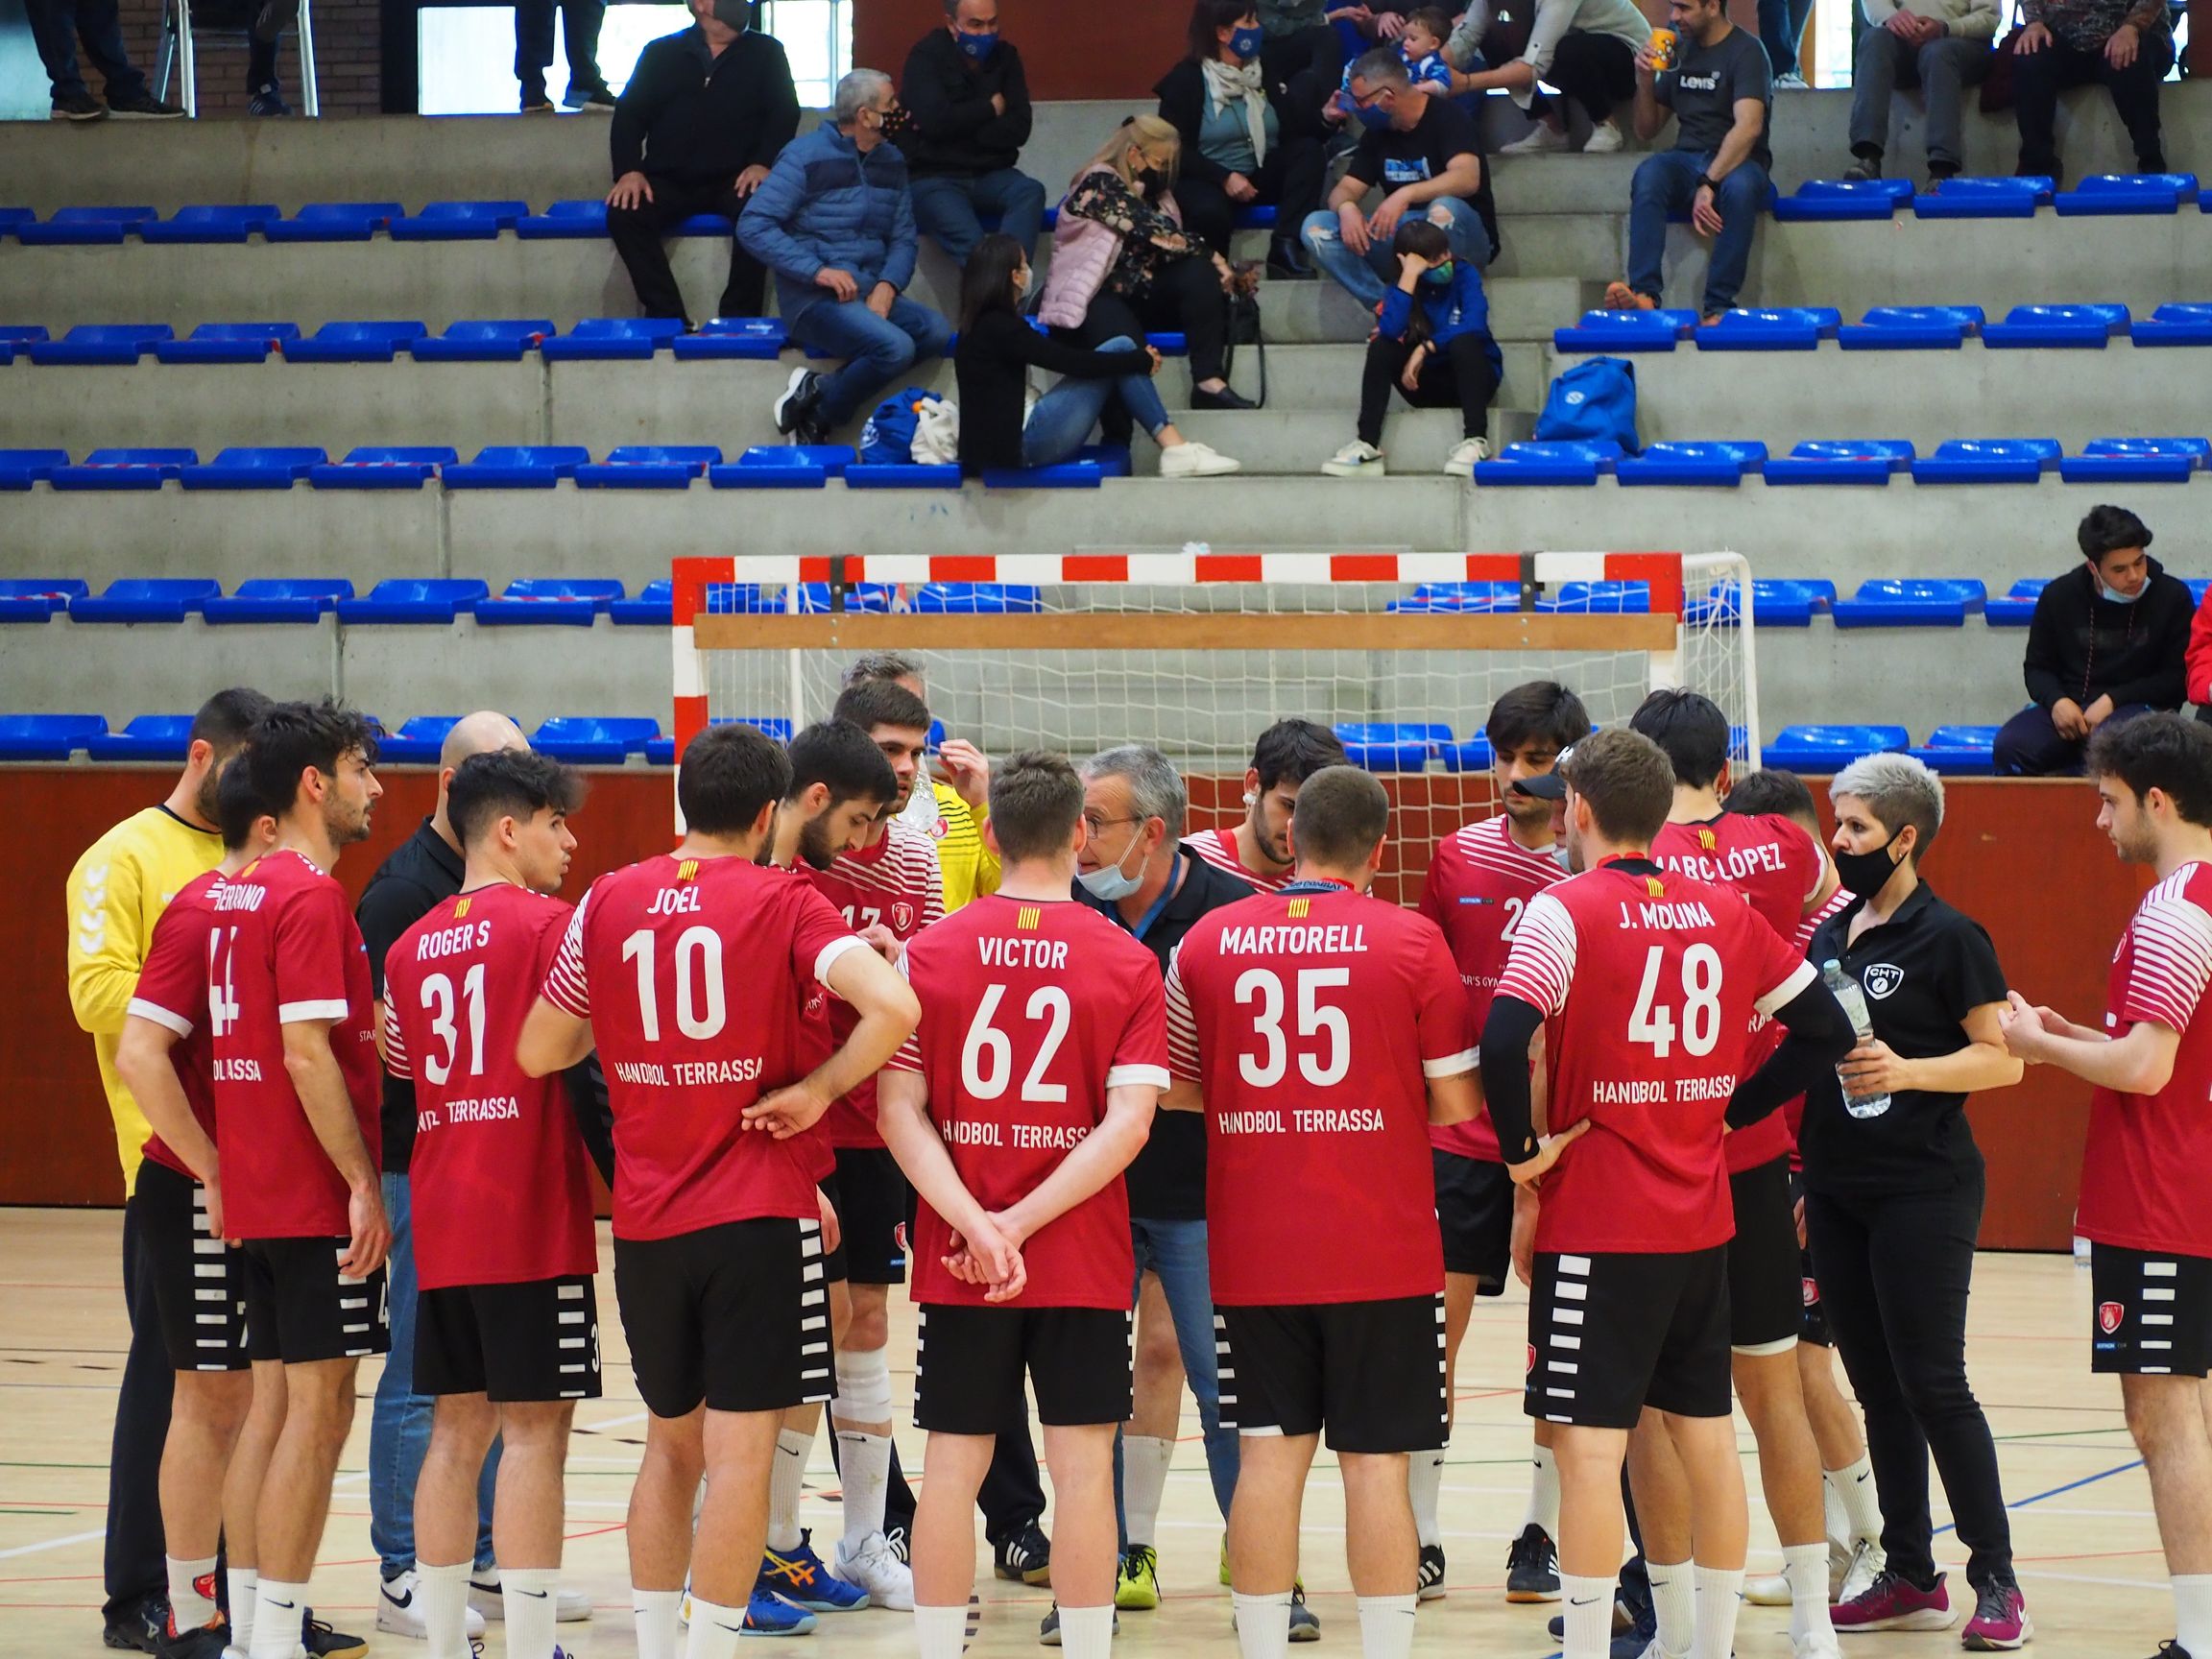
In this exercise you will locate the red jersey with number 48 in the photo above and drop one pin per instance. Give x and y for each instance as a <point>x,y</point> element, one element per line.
<point>1218,848</point>
<point>497,1180</point>
<point>1480,882</point>
<point>693,973</point>
<point>172,991</point>
<point>1647,982</point>
<point>894,885</point>
<point>2142,1172</point>
<point>1030,1012</point>
<point>1311,1021</point>
<point>285,951</point>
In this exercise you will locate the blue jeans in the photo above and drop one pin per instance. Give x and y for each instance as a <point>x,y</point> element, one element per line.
<point>1781,26</point>
<point>57,26</point>
<point>1064,416</point>
<point>399,1419</point>
<point>1176,1251</point>
<point>877,350</point>
<point>1367,277</point>
<point>1666,183</point>
<point>950,208</point>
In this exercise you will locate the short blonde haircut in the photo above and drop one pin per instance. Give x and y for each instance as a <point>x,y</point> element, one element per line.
<point>1898,790</point>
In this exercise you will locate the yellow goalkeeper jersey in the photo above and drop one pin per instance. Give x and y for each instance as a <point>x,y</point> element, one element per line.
<point>970,867</point>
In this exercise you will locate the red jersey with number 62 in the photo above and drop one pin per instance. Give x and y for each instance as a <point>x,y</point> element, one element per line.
<point>894,885</point>
<point>172,991</point>
<point>1647,982</point>
<point>1312,1022</point>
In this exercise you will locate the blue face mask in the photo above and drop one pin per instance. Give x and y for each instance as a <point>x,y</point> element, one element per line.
<point>1439,276</point>
<point>2118,598</point>
<point>1374,119</point>
<point>978,47</point>
<point>1246,43</point>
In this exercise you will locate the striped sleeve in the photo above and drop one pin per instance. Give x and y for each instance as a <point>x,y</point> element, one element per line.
<point>1182,1024</point>
<point>565,985</point>
<point>909,1055</point>
<point>1542,967</point>
<point>2171,943</point>
<point>395,1060</point>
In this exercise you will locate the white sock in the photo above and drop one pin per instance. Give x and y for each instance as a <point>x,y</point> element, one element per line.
<point>1544,1494</point>
<point>245,1586</point>
<point>655,1611</point>
<point>190,1608</point>
<point>1085,1632</point>
<point>2193,1614</point>
<point>784,1479</point>
<point>1861,1504</point>
<point>1674,1601</point>
<point>940,1632</point>
<point>1589,1614</point>
<point>1833,1520</point>
<point>1424,1478</point>
<point>277,1611</point>
<point>715,1631</point>
<point>1386,1627</point>
<point>1806,1567</point>
<point>442,1597</point>
<point>1144,1462</point>
<point>864,1467</point>
<point>1262,1624</point>
<point>531,1597</point>
<point>1719,1598</point>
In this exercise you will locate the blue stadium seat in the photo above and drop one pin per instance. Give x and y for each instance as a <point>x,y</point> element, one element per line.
<point>565,221</point>
<point>1479,597</point>
<point>1783,328</point>
<point>415,600</point>
<point>1065,475</point>
<point>704,225</point>
<point>365,342</point>
<point>12,217</point>
<point>1911,329</point>
<point>1841,461</point>
<point>2073,326</point>
<point>1111,459</point>
<point>654,606</point>
<point>38,598</point>
<point>2189,324</point>
<point>649,467</point>
<point>20,469</point>
<point>1471,754</point>
<point>502,341</point>
<point>145,737</point>
<point>124,468</point>
<point>47,736</point>
<point>788,475</point>
<point>832,458</point>
<point>2199,586</point>
<point>1911,602</point>
<point>252,468</point>
<point>1823,749</point>
<point>227,343</point>
<point>550,601</point>
<point>1625,331</point>
<point>757,338</point>
<point>1958,750</point>
<point>1774,604</point>
<point>18,338</point>
<point>383,467</point>
<point>2017,607</point>
<point>1831,200</point>
<point>995,598</point>
<point>1548,463</point>
<point>2104,193</point>
<point>2135,460</point>
<point>146,599</point>
<point>662,751</point>
<point>418,742</point>
<point>1392,746</point>
<point>263,599</point>
<point>208,224</point>
<point>1599,598</point>
<point>903,475</point>
<point>1996,198</point>
<point>1170,342</point>
<point>611,340</point>
<point>82,227</point>
<point>588,740</point>
<point>332,222</point>
<point>1987,460</point>
<point>814,597</point>
<point>1712,465</point>
<point>518,466</point>
<point>458,221</point>
<point>101,343</point>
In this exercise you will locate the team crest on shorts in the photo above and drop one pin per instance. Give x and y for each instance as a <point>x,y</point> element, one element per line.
<point>1532,1357</point>
<point>2109,1314</point>
<point>1812,1292</point>
<point>1882,979</point>
<point>898,1236</point>
<point>902,917</point>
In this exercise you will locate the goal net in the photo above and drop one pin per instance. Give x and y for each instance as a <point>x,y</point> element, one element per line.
<point>1196,653</point>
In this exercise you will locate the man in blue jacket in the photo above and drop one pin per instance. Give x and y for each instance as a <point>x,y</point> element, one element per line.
<point>836,223</point>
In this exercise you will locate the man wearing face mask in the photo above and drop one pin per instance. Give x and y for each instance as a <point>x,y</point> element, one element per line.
<point>969,102</point>
<point>2109,640</point>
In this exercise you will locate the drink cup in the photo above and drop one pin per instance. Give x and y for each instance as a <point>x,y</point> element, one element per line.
<point>1662,49</point>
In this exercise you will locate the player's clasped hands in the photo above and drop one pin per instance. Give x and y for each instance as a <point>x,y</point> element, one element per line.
<point>1548,1147</point>
<point>990,1254</point>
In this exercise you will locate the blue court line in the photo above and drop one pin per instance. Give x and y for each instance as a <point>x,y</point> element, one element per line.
<point>2055,1491</point>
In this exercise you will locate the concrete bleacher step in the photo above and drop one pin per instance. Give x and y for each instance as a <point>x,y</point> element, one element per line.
<point>1293,442</point>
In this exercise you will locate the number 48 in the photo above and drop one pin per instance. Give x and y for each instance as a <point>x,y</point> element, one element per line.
<point>1653,1021</point>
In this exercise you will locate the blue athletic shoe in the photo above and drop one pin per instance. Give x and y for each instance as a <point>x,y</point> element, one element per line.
<point>802,1577</point>
<point>769,1615</point>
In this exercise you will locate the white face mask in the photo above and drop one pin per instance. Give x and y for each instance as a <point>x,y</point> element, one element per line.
<point>1109,882</point>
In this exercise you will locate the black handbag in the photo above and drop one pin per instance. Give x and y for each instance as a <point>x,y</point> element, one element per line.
<point>1244,330</point>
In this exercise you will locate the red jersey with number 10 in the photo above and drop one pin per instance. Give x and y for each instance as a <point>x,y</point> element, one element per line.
<point>172,991</point>
<point>1647,982</point>
<point>895,884</point>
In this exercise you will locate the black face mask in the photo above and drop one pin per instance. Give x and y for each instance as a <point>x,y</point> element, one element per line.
<point>1154,183</point>
<point>1866,874</point>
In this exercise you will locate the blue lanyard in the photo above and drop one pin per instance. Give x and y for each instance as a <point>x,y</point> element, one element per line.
<point>1159,906</point>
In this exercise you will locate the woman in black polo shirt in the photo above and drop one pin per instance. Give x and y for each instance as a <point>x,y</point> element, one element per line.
<point>1894,1186</point>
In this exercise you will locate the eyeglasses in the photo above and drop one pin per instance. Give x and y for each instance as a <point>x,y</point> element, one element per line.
<point>1092,823</point>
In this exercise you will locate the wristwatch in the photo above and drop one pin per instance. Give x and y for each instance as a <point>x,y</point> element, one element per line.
<point>1705,182</point>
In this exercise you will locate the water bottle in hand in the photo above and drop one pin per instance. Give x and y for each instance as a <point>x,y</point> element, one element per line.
<point>1853,1001</point>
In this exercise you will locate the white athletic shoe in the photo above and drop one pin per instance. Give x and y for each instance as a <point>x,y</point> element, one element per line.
<point>1605,139</point>
<point>1191,460</point>
<point>1820,1645</point>
<point>1868,1560</point>
<point>1543,139</point>
<point>1771,1592</point>
<point>1358,459</point>
<point>876,1568</point>
<point>570,1605</point>
<point>399,1614</point>
<point>1461,463</point>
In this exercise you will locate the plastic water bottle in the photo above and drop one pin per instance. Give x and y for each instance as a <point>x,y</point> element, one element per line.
<point>2081,1245</point>
<point>1853,1001</point>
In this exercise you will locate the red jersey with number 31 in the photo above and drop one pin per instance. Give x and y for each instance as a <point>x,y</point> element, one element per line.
<point>172,991</point>
<point>895,884</point>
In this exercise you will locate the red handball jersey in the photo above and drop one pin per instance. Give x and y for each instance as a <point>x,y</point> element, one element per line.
<point>1218,848</point>
<point>2143,1174</point>
<point>1310,1020</point>
<point>694,973</point>
<point>1030,1012</point>
<point>1773,862</point>
<point>1793,1112</point>
<point>1480,882</point>
<point>173,991</point>
<point>284,949</point>
<point>499,1184</point>
<point>1647,982</point>
<point>893,884</point>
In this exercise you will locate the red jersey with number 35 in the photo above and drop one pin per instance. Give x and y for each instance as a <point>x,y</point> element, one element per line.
<point>1480,882</point>
<point>693,973</point>
<point>497,1182</point>
<point>172,991</point>
<point>1312,1022</point>
<point>894,885</point>
<point>1647,982</point>
<point>1030,1012</point>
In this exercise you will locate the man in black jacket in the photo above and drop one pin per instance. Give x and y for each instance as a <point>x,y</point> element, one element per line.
<point>968,102</point>
<point>2109,640</point>
<point>695,131</point>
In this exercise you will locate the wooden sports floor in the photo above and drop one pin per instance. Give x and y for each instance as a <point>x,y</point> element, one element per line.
<point>2087,1545</point>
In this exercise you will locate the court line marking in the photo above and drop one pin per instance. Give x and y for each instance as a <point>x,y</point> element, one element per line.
<point>2070,1486</point>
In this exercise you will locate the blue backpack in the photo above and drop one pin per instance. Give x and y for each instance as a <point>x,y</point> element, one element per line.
<point>1595,399</point>
<point>888,438</point>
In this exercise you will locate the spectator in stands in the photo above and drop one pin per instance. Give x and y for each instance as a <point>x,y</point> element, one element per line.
<point>1942,47</point>
<point>1425,153</point>
<point>1421,49</point>
<point>998,348</point>
<point>2109,640</point>
<point>580,21</point>
<point>1585,48</point>
<point>1122,263</point>
<point>264,31</point>
<point>695,131</point>
<point>56,28</point>
<point>1236,150</point>
<point>1781,30</point>
<point>1716,83</point>
<point>1300,55</point>
<point>2127,44</point>
<point>836,223</point>
<point>967,104</point>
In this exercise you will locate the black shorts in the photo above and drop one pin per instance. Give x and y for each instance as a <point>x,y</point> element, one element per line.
<point>198,1282</point>
<point>512,1343</point>
<point>736,1316</point>
<point>1371,1374</point>
<point>304,1309</point>
<point>869,1195</point>
<point>1474,1209</point>
<point>1765,1290</point>
<point>1812,1318</point>
<point>2154,1314</point>
<point>968,1364</point>
<point>1609,1335</point>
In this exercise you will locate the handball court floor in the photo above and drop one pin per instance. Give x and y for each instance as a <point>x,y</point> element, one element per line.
<point>2082,1528</point>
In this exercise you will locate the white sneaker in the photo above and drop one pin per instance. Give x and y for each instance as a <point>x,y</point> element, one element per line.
<point>1771,1592</point>
<point>1358,459</point>
<point>1196,461</point>
<point>1461,463</point>
<point>873,1567</point>
<point>1820,1645</point>
<point>572,1606</point>
<point>1605,139</point>
<point>399,1614</point>
<point>1868,1560</point>
<point>1543,139</point>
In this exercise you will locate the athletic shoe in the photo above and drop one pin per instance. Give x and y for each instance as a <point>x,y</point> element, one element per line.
<point>1431,1583</point>
<point>537,102</point>
<point>1048,1633</point>
<point>1137,1584</point>
<point>767,1614</point>
<point>1543,139</point>
<point>1818,1644</point>
<point>1892,1603</point>
<point>1461,463</point>
<point>592,100</point>
<point>900,1535</point>
<point>1193,460</point>
<point>1865,170</point>
<point>803,1579</point>
<point>145,107</point>
<point>398,1614</point>
<point>1620,296</point>
<point>1869,1560</point>
<point>876,1568</point>
<point>2171,1651</point>
<point>1532,1567</point>
<point>268,101</point>
<point>1999,1621</point>
<point>1305,1626</point>
<point>796,407</point>
<point>323,1643</point>
<point>1026,1558</point>
<point>1771,1592</point>
<point>142,1629</point>
<point>1605,139</point>
<point>1789,82</point>
<point>571,1606</point>
<point>78,106</point>
<point>1358,459</point>
<point>202,1642</point>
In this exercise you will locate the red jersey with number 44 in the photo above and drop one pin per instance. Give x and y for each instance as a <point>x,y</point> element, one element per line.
<point>1030,1012</point>
<point>285,951</point>
<point>1218,848</point>
<point>894,885</point>
<point>1647,982</point>
<point>1312,1022</point>
<point>2143,1174</point>
<point>693,973</point>
<point>499,1186</point>
<point>1480,882</point>
<point>172,991</point>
